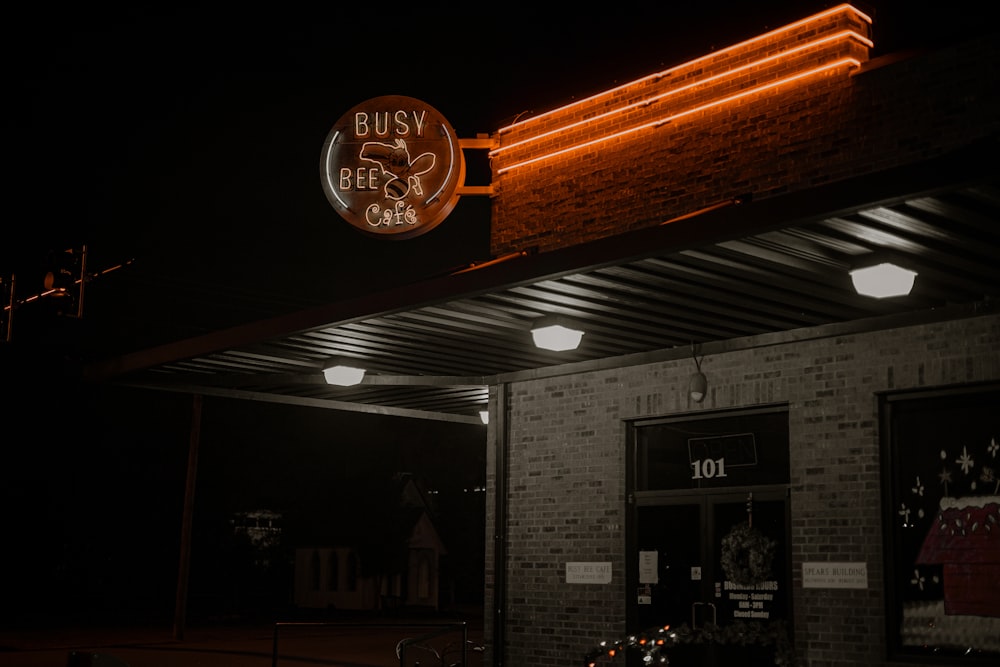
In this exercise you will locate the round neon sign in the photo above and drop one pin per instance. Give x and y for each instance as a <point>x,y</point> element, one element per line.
<point>392,167</point>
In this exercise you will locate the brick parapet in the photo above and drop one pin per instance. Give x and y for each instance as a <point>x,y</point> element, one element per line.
<point>832,127</point>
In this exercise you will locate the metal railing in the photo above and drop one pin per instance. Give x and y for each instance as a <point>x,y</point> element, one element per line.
<point>451,654</point>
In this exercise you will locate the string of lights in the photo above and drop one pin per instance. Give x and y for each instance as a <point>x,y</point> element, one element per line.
<point>653,644</point>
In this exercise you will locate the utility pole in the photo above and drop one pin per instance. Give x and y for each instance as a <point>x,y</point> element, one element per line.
<point>83,281</point>
<point>8,321</point>
<point>64,283</point>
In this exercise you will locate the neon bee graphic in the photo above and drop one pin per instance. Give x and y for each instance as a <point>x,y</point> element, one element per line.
<point>401,173</point>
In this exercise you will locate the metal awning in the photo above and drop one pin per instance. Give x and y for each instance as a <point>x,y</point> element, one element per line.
<point>732,275</point>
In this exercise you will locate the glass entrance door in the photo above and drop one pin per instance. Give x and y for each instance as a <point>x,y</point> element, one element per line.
<point>712,565</point>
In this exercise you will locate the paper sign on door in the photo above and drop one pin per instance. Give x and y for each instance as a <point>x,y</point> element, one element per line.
<point>648,568</point>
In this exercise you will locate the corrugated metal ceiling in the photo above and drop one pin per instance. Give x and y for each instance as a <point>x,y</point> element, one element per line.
<point>768,267</point>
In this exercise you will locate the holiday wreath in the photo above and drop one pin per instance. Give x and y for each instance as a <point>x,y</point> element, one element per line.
<point>747,555</point>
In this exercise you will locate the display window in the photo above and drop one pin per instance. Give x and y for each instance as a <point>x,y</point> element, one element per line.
<point>941,459</point>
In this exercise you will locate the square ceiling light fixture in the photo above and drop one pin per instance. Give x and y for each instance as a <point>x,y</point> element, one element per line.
<point>556,334</point>
<point>881,278</point>
<point>343,374</point>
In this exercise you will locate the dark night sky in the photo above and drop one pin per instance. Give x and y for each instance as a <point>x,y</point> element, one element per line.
<point>188,143</point>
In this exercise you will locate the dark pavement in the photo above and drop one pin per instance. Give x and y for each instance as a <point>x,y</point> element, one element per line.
<point>340,644</point>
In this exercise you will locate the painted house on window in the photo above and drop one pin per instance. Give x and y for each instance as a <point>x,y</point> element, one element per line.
<point>384,555</point>
<point>965,540</point>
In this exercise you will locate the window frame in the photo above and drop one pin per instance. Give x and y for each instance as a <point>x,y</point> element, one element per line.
<point>918,414</point>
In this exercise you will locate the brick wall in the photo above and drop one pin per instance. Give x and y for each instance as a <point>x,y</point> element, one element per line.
<point>567,477</point>
<point>844,123</point>
<point>567,435</point>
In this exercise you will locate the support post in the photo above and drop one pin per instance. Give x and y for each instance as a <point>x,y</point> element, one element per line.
<point>184,567</point>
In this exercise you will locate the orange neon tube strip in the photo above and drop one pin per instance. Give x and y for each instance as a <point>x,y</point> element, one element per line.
<point>694,84</point>
<point>854,62</point>
<point>715,54</point>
